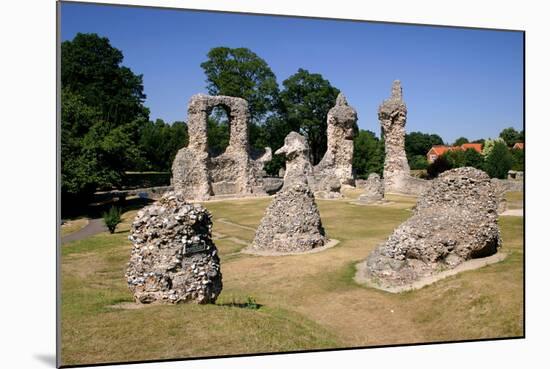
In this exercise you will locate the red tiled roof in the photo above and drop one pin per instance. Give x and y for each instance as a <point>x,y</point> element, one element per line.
<point>475,146</point>
<point>519,145</point>
<point>440,149</point>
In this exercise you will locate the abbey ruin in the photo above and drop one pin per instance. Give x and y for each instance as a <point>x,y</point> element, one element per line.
<point>392,115</point>
<point>198,175</point>
<point>455,220</point>
<point>292,222</point>
<point>335,169</point>
<point>174,259</point>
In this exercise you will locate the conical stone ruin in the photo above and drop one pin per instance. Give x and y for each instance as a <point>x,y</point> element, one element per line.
<point>373,190</point>
<point>292,223</point>
<point>173,259</point>
<point>454,221</point>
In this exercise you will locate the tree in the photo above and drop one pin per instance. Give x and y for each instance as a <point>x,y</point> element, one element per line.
<point>439,166</point>
<point>489,144</point>
<point>499,161</point>
<point>455,158</point>
<point>101,113</point>
<point>240,72</point>
<point>518,159</point>
<point>306,99</point>
<point>91,68</point>
<point>159,142</point>
<point>472,158</point>
<point>460,141</point>
<point>418,162</point>
<point>368,154</point>
<point>418,143</point>
<point>511,136</point>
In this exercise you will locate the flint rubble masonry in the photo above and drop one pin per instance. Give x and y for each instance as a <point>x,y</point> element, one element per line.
<point>173,259</point>
<point>292,222</point>
<point>197,175</point>
<point>454,220</point>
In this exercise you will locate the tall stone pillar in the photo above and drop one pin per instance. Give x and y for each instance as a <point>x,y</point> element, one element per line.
<point>392,115</point>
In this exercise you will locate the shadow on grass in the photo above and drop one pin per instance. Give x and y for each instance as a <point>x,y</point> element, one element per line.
<point>242,305</point>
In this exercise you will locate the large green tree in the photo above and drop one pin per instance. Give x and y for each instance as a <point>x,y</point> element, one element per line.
<point>499,161</point>
<point>368,154</point>
<point>418,143</point>
<point>511,136</point>
<point>306,99</point>
<point>159,142</point>
<point>101,114</point>
<point>240,72</point>
<point>460,141</point>
<point>92,69</point>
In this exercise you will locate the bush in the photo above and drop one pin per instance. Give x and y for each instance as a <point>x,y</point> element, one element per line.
<point>499,161</point>
<point>112,218</point>
<point>418,162</point>
<point>440,165</point>
<point>251,303</point>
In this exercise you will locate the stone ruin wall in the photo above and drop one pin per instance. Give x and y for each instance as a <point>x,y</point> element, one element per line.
<point>455,220</point>
<point>335,169</point>
<point>196,174</point>
<point>392,115</point>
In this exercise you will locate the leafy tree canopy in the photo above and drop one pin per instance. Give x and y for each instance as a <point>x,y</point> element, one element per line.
<point>418,143</point>
<point>101,114</point>
<point>306,99</point>
<point>460,141</point>
<point>499,161</point>
<point>240,72</point>
<point>368,154</point>
<point>511,136</point>
<point>91,68</point>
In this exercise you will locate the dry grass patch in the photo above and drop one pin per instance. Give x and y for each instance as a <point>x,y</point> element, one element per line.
<point>308,301</point>
<point>73,225</point>
<point>514,199</point>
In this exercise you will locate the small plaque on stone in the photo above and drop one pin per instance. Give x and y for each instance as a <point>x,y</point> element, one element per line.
<point>194,248</point>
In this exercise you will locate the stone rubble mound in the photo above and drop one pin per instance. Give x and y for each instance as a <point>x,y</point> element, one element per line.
<point>292,222</point>
<point>173,258</point>
<point>455,220</point>
<point>374,189</point>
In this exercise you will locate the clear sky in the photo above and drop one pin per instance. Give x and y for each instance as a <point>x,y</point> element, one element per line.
<point>456,82</point>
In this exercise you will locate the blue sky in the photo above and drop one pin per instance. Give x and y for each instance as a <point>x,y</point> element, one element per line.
<point>456,82</point>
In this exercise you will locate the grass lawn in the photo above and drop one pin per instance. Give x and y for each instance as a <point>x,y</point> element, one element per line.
<point>73,225</point>
<point>307,301</point>
<point>514,199</point>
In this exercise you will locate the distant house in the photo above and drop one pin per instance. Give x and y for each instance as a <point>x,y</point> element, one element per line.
<point>519,146</point>
<point>438,150</point>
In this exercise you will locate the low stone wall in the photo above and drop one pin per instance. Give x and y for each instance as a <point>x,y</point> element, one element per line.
<point>507,185</point>
<point>153,193</point>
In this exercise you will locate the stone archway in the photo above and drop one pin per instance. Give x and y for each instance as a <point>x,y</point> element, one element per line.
<point>200,176</point>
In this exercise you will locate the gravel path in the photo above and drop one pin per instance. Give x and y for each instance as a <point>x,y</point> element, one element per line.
<point>94,226</point>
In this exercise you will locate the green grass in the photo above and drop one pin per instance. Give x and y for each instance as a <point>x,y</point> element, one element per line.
<point>514,199</point>
<point>73,225</point>
<point>307,301</point>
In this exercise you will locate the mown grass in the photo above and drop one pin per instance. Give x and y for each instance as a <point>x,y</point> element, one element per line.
<point>73,225</point>
<point>307,301</point>
<point>514,199</point>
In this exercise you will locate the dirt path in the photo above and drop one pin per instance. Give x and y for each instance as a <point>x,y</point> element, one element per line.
<point>94,226</point>
<point>513,212</point>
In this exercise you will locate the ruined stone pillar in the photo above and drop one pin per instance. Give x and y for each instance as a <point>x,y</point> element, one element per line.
<point>392,114</point>
<point>336,165</point>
